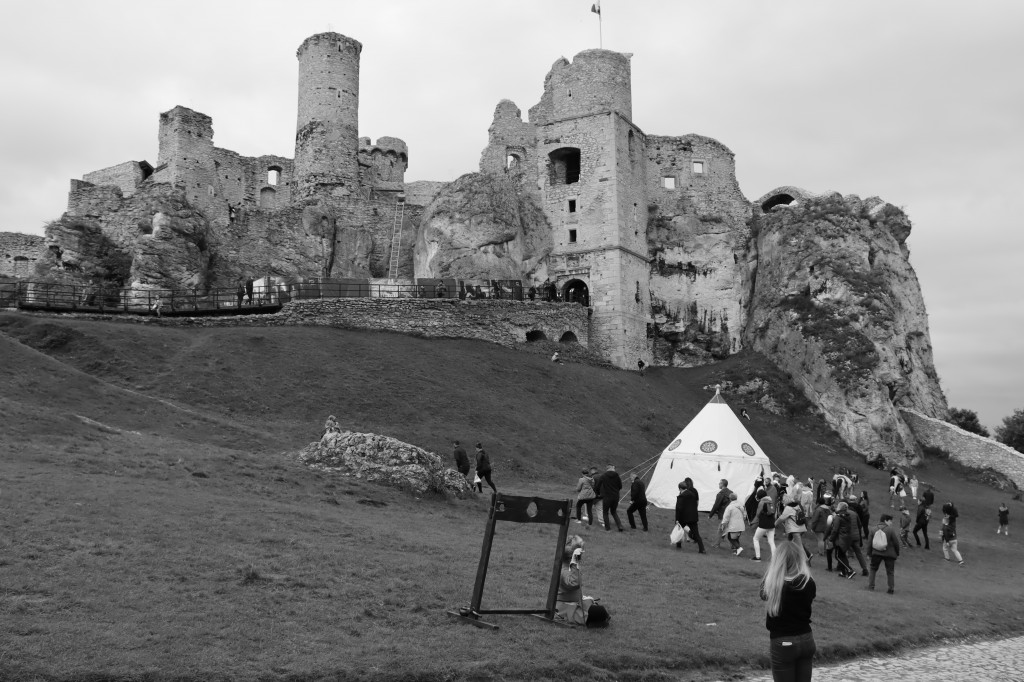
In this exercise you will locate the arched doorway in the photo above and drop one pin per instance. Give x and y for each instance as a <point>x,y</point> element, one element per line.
<point>568,337</point>
<point>535,335</point>
<point>576,291</point>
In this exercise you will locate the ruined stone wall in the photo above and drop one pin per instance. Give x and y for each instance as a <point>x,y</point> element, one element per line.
<point>245,182</point>
<point>382,164</point>
<point>595,81</point>
<point>422,192</point>
<point>127,176</point>
<point>697,229</point>
<point>969,449</point>
<point>507,137</point>
<point>503,322</point>
<point>19,254</point>
<point>327,128</point>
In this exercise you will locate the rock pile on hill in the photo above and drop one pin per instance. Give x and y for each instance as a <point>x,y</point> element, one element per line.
<point>385,460</point>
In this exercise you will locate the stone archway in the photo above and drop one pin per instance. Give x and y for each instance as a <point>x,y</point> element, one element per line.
<point>568,337</point>
<point>576,291</point>
<point>535,335</point>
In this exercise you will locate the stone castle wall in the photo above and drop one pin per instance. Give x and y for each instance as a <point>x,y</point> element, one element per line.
<point>505,323</point>
<point>969,449</point>
<point>128,176</point>
<point>19,254</point>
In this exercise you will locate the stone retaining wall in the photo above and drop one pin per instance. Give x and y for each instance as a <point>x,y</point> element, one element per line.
<point>969,449</point>
<point>503,322</point>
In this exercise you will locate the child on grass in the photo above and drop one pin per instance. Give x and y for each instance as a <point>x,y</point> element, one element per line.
<point>1004,520</point>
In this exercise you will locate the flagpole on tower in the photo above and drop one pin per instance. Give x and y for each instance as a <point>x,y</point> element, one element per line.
<point>596,9</point>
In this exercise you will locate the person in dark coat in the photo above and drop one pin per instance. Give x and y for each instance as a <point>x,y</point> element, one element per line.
<point>686,512</point>
<point>608,487</point>
<point>483,466</point>
<point>240,292</point>
<point>885,555</point>
<point>248,288</point>
<point>928,496</point>
<point>461,459</point>
<point>721,502</point>
<point>638,501</point>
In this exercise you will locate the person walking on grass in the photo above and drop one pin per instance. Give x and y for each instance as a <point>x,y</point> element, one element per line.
<point>905,527</point>
<point>598,506</point>
<point>884,547</point>
<point>686,512</point>
<point>914,485</point>
<point>718,508</point>
<point>1004,520</point>
<point>483,467</point>
<point>764,517</point>
<point>788,591</point>
<point>949,538</point>
<point>585,496</point>
<point>734,523</point>
<point>461,459</point>
<point>924,514</point>
<point>793,522</point>
<point>819,524</point>
<point>638,501</point>
<point>609,486</point>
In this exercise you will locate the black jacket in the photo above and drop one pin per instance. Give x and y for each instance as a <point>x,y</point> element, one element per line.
<point>638,492</point>
<point>721,502</point>
<point>608,485</point>
<point>686,507</point>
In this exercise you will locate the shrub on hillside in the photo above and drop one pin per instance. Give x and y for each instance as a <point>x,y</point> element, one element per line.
<point>966,420</point>
<point>1011,432</point>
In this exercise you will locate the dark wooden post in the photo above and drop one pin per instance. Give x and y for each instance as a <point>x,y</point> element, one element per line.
<point>485,557</point>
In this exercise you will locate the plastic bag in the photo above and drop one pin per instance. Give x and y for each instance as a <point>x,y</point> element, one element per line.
<point>677,534</point>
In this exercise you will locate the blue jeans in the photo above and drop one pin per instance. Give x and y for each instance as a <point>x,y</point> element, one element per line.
<point>792,658</point>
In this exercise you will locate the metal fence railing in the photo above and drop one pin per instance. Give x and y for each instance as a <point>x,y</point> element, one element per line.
<point>265,295</point>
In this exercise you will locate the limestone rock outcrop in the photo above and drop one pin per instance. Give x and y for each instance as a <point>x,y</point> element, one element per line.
<point>837,305</point>
<point>384,460</point>
<point>481,227</point>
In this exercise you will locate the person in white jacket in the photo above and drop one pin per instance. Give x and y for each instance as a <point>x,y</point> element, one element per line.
<point>734,522</point>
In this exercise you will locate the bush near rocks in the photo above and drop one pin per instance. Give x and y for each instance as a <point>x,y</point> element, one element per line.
<point>385,460</point>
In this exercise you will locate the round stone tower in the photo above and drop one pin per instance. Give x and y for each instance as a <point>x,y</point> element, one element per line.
<point>596,80</point>
<point>326,135</point>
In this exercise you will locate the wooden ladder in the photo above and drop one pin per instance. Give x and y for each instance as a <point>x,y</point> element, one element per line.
<point>396,241</point>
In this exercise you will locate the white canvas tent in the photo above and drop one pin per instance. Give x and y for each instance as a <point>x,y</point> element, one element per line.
<point>713,446</point>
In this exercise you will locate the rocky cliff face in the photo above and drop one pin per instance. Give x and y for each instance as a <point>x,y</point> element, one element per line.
<point>481,227</point>
<point>836,305</point>
<point>151,239</point>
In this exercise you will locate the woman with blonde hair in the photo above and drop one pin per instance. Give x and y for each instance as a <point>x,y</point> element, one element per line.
<point>788,590</point>
<point>571,606</point>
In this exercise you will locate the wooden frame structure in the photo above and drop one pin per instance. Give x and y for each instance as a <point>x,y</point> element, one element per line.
<point>518,509</point>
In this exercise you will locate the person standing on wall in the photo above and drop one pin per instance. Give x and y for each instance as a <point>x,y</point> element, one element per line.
<point>461,459</point>
<point>248,289</point>
<point>240,292</point>
<point>483,467</point>
<point>788,591</point>
<point>638,501</point>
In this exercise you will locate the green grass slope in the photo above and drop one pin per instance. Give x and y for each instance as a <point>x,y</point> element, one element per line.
<point>155,524</point>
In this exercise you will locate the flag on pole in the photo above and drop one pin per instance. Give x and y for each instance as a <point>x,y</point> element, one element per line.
<point>596,8</point>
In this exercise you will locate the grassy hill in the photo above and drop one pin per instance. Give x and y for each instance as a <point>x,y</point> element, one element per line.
<point>156,526</point>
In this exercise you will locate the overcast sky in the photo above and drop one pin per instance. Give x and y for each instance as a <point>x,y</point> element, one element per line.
<point>920,102</point>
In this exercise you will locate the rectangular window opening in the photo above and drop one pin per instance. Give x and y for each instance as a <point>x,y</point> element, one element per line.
<point>698,167</point>
<point>668,183</point>
<point>572,205</point>
<point>572,236</point>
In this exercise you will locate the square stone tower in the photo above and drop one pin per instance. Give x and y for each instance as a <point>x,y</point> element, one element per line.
<point>591,164</point>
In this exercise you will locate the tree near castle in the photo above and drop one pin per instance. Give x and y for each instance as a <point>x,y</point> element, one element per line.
<point>967,420</point>
<point>1011,432</point>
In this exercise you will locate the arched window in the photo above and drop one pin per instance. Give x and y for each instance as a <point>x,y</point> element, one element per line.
<point>564,166</point>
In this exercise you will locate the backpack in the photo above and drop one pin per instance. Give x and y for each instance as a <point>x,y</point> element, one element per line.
<point>801,516</point>
<point>879,541</point>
